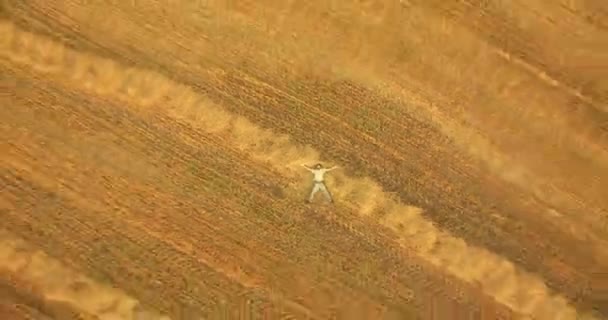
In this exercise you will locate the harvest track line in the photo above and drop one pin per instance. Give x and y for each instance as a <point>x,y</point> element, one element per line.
<point>57,282</point>
<point>545,77</point>
<point>508,56</point>
<point>499,278</point>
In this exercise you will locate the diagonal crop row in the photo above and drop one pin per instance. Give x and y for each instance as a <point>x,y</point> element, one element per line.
<point>59,283</point>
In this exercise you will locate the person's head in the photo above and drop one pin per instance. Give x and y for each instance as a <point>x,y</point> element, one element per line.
<point>318,166</point>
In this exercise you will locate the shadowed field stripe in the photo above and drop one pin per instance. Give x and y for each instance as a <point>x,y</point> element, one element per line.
<point>521,291</point>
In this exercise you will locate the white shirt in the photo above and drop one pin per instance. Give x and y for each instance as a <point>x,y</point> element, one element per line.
<point>319,174</point>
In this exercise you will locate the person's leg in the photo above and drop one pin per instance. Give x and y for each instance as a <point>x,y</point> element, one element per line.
<point>327,193</point>
<point>314,190</point>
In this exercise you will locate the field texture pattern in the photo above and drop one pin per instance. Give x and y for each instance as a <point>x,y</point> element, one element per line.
<point>151,151</point>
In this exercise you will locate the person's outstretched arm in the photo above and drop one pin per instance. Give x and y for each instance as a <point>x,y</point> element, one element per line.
<point>306,167</point>
<point>332,168</point>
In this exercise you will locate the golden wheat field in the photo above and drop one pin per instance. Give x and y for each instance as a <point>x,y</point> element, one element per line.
<point>151,152</point>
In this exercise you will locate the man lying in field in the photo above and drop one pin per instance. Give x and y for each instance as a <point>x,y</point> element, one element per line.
<point>319,181</point>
